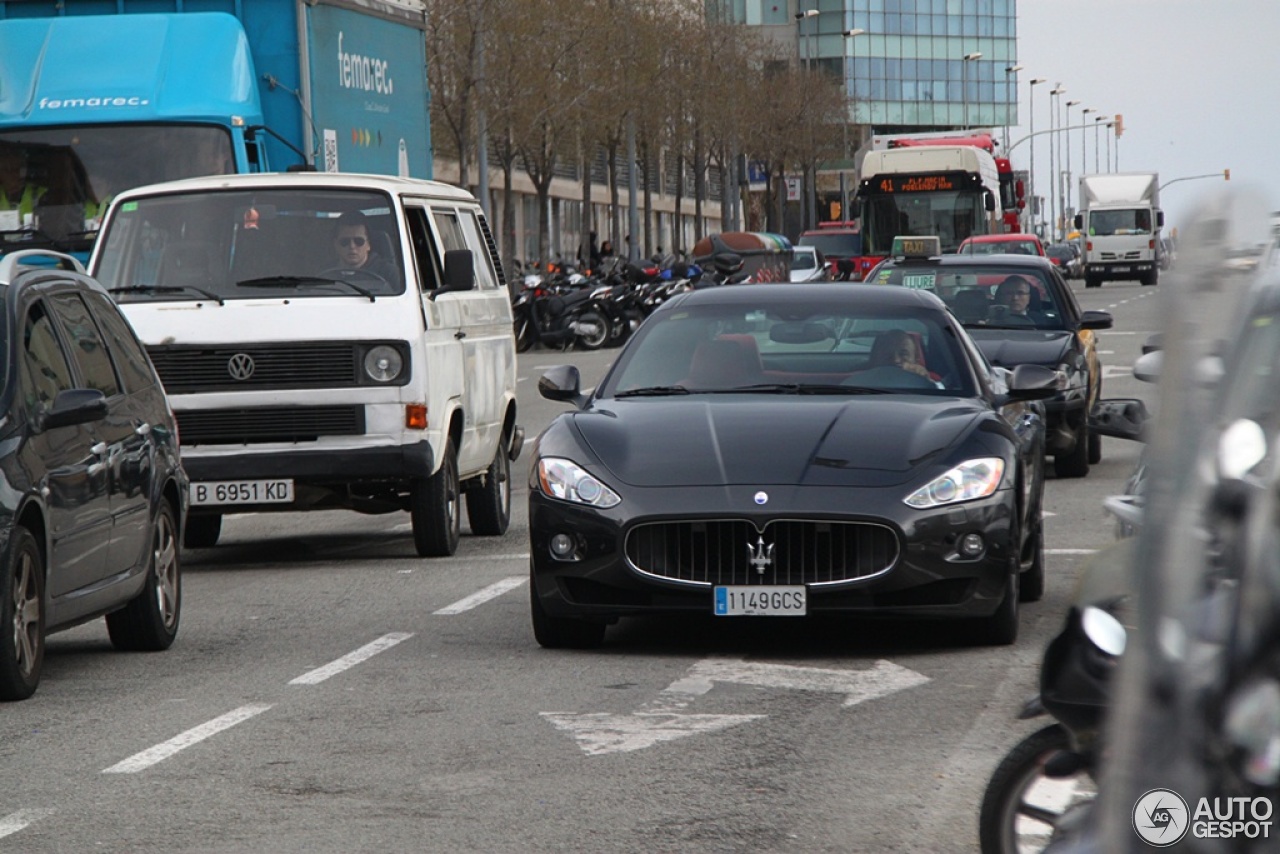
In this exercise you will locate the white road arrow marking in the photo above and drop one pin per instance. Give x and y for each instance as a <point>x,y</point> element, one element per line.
<point>598,734</point>
<point>21,819</point>
<point>662,718</point>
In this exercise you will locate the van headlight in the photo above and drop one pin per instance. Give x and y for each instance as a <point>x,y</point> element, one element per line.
<point>967,481</point>
<point>383,364</point>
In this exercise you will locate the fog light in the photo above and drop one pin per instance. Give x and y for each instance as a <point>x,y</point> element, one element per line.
<point>972,545</point>
<point>562,546</point>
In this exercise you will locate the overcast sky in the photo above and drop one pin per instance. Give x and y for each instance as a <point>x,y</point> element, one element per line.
<point>1196,82</point>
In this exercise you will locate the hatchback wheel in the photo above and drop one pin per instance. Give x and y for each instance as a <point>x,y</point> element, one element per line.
<point>21,617</point>
<point>150,621</point>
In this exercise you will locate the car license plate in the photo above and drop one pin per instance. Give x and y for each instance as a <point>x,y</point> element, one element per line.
<point>242,492</point>
<point>763,601</point>
<point>1122,269</point>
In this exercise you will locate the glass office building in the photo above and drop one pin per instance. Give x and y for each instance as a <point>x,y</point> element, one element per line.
<point>907,69</point>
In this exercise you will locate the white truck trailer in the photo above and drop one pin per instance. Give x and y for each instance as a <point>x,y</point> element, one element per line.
<point>1120,220</point>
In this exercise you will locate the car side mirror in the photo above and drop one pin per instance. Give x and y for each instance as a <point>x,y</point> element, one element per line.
<point>1032,382</point>
<point>1123,418</point>
<point>74,406</point>
<point>562,383</point>
<point>459,271</point>
<point>1095,320</point>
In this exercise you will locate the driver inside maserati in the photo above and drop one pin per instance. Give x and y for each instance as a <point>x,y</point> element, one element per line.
<point>354,248</point>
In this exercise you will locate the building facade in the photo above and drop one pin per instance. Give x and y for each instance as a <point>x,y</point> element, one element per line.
<point>907,68</point>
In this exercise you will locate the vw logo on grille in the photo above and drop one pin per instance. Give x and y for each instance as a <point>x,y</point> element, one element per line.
<point>240,366</point>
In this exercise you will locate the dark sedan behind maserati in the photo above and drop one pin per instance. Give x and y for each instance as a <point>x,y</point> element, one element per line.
<point>789,450</point>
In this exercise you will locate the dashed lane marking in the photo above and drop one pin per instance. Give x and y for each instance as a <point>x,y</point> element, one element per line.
<point>20,820</point>
<point>195,735</point>
<point>493,591</point>
<point>351,659</point>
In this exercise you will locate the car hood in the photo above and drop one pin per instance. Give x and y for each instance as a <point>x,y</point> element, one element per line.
<point>875,440</point>
<point>1008,348</point>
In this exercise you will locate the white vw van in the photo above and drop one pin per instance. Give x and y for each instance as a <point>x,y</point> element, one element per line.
<point>326,341</point>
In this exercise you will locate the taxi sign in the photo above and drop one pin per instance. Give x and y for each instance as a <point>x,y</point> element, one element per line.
<point>916,247</point>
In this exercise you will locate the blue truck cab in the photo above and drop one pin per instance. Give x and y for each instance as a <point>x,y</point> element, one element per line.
<point>94,103</point>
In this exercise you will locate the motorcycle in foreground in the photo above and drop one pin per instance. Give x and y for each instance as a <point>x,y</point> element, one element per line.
<point>1049,776</point>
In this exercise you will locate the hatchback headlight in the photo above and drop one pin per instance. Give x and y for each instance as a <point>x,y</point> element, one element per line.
<point>967,481</point>
<point>568,481</point>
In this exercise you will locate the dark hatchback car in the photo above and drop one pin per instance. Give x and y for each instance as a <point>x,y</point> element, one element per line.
<point>764,450</point>
<point>92,494</point>
<point>1046,327</point>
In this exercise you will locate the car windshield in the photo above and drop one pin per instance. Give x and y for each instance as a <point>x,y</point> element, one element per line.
<point>244,244</point>
<point>804,261</point>
<point>784,348</point>
<point>986,297</point>
<point>999,247</point>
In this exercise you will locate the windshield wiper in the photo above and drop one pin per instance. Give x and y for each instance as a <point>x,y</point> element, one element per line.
<point>301,281</point>
<point>653,391</point>
<point>166,289</point>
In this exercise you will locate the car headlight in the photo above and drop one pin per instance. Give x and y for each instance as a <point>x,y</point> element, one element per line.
<point>568,481</point>
<point>967,481</point>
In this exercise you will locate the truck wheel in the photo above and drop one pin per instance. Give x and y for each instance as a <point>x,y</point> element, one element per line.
<point>1095,448</point>
<point>1092,282</point>
<point>150,621</point>
<point>21,617</point>
<point>1151,278</point>
<point>435,508</point>
<point>202,531</point>
<point>489,506</point>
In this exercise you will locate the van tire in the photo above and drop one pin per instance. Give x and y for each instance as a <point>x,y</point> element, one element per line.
<point>489,501</point>
<point>435,508</point>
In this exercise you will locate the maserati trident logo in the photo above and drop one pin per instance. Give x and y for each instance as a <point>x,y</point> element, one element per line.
<point>240,366</point>
<point>761,555</point>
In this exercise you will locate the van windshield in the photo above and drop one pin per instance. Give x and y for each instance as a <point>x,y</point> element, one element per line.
<point>247,244</point>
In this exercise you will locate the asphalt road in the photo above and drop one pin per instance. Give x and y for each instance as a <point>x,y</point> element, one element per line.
<point>332,692</point>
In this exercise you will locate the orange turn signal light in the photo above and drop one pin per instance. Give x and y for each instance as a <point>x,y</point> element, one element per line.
<point>415,416</point>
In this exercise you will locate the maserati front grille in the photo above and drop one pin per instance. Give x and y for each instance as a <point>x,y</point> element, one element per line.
<point>786,551</point>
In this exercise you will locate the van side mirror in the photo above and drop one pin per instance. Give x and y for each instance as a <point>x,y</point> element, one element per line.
<point>1078,221</point>
<point>989,201</point>
<point>1160,219</point>
<point>459,270</point>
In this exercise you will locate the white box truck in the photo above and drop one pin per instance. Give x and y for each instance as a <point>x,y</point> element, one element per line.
<point>1120,221</point>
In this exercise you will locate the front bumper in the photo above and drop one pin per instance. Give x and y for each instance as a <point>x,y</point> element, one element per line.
<point>1063,417</point>
<point>929,578</point>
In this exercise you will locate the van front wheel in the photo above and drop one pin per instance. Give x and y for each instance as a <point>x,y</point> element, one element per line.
<point>489,502</point>
<point>435,507</point>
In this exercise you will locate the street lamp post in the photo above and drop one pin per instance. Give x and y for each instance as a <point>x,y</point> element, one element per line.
<point>1031,111</point>
<point>844,183</point>
<point>1097,123</point>
<point>808,205</point>
<point>1009,69</point>
<point>1110,125</point>
<point>968,58</point>
<point>1066,147</point>
<point>1054,94</point>
<point>1084,141</point>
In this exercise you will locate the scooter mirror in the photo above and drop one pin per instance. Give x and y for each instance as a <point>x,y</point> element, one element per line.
<point>1240,447</point>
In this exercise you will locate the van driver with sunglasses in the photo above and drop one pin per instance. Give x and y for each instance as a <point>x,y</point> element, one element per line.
<point>354,248</point>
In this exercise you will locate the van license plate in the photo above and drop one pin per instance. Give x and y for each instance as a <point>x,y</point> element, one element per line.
<point>763,601</point>
<point>242,492</point>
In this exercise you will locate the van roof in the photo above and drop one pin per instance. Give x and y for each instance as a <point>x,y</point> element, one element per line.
<point>326,180</point>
